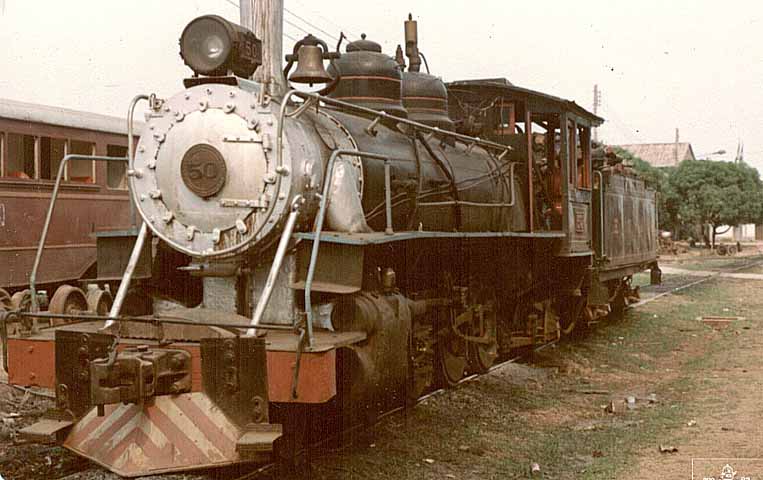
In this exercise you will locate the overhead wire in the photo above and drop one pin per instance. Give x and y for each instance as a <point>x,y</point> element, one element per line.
<point>290,37</point>
<point>333,37</point>
<point>329,21</point>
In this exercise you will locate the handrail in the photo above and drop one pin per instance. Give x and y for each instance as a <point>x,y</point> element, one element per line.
<point>144,233</point>
<point>45,227</point>
<point>275,267</point>
<point>322,215</point>
<point>420,126</point>
<point>152,320</point>
<point>481,204</point>
<point>124,285</point>
<point>131,143</point>
<point>601,211</point>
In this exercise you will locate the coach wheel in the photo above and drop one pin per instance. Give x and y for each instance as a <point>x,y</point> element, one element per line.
<point>99,302</point>
<point>5,300</point>
<point>21,301</point>
<point>67,300</point>
<point>483,355</point>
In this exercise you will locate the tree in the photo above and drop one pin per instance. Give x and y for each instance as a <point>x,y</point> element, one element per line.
<point>705,192</point>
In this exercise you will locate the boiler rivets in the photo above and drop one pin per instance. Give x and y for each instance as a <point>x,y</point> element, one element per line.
<point>151,164</point>
<point>141,149</point>
<point>160,137</point>
<point>167,217</point>
<point>270,178</point>
<point>179,116</point>
<point>241,227</point>
<point>190,231</point>
<point>203,105</point>
<point>155,194</point>
<point>254,124</point>
<point>229,107</point>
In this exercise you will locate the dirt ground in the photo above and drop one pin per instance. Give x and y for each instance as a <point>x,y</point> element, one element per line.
<point>563,413</point>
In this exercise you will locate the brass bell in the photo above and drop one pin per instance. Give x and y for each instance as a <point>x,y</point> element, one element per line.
<point>310,66</point>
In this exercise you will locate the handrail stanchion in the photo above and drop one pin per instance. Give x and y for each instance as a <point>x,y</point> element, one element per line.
<point>319,227</point>
<point>124,285</point>
<point>388,196</point>
<point>35,307</point>
<point>275,268</point>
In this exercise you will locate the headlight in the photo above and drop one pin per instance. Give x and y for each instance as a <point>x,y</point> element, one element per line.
<point>211,45</point>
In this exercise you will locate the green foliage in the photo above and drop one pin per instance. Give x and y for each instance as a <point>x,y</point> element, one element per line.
<point>715,193</point>
<point>702,192</point>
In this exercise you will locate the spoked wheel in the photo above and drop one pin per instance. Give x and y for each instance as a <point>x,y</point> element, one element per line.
<point>482,354</point>
<point>67,300</point>
<point>99,302</point>
<point>452,361</point>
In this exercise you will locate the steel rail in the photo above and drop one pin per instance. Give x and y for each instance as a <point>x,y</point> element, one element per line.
<point>381,417</point>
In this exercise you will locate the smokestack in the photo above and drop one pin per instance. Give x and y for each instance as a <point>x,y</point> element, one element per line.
<point>265,19</point>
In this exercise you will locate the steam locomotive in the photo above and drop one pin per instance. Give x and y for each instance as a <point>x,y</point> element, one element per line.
<point>355,247</point>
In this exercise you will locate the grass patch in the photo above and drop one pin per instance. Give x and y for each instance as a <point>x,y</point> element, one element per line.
<point>498,426</point>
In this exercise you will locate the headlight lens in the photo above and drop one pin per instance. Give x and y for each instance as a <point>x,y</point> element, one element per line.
<point>206,45</point>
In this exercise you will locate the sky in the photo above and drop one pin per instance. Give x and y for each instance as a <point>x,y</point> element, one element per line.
<point>693,65</point>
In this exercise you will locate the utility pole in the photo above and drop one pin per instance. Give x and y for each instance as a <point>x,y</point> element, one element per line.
<point>675,147</point>
<point>265,19</point>
<point>596,105</point>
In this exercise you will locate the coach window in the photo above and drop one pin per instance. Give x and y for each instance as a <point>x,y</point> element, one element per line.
<point>82,171</point>
<point>51,154</point>
<point>584,157</point>
<point>116,172</point>
<point>19,162</point>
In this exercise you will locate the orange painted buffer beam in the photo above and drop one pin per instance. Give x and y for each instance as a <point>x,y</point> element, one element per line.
<point>32,362</point>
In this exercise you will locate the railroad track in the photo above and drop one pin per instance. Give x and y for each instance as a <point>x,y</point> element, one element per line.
<point>254,475</point>
<point>265,469</point>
